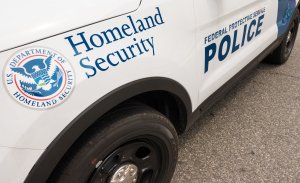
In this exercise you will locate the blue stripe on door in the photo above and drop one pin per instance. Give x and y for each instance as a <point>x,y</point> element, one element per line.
<point>285,12</point>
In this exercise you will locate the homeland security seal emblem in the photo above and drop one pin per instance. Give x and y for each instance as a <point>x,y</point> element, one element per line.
<point>39,78</point>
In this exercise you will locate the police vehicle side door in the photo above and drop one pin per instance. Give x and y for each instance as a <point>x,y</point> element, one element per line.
<point>230,34</point>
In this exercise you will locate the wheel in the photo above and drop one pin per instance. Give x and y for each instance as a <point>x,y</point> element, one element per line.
<point>135,144</point>
<point>283,52</point>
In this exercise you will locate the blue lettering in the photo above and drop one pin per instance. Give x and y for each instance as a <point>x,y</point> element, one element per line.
<point>158,17</point>
<point>109,60</point>
<point>210,52</point>
<point>230,43</point>
<point>235,45</point>
<point>227,40</point>
<point>113,33</point>
<point>98,63</point>
<point>250,36</point>
<point>93,40</point>
<point>244,34</point>
<point>94,71</point>
<point>74,45</point>
<point>126,27</point>
<point>259,24</point>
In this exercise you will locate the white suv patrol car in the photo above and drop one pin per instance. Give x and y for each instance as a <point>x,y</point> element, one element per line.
<point>97,91</point>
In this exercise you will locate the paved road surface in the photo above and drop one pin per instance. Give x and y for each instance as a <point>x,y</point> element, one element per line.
<point>252,135</point>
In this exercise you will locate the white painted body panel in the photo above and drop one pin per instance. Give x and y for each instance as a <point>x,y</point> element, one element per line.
<point>16,163</point>
<point>28,21</point>
<point>36,129</point>
<point>225,13</point>
<point>179,55</point>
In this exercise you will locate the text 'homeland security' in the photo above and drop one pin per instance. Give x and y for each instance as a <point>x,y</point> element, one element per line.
<point>83,43</point>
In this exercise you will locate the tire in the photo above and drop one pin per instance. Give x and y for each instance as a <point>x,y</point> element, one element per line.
<point>136,139</point>
<point>283,52</point>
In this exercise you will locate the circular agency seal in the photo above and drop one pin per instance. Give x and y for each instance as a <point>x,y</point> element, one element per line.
<point>39,78</point>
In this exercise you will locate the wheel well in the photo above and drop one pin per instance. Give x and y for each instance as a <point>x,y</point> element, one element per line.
<point>164,102</point>
<point>165,95</point>
<point>167,104</point>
